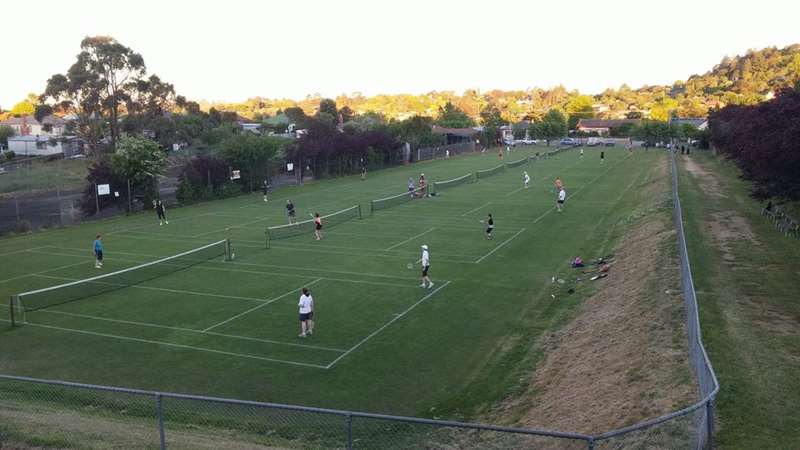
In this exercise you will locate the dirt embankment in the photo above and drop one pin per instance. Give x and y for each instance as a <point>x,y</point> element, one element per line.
<point>623,358</point>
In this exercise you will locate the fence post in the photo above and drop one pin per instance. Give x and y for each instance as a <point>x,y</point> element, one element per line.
<point>349,422</point>
<point>160,411</point>
<point>96,199</point>
<point>710,423</point>
<point>591,444</point>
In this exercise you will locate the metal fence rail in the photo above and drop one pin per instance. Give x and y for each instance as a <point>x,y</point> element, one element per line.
<point>67,415</point>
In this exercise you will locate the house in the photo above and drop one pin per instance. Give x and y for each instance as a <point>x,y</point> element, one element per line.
<point>699,123</point>
<point>603,127</point>
<point>506,133</point>
<point>28,125</point>
<point>45,145</point>
<point>455,135</point>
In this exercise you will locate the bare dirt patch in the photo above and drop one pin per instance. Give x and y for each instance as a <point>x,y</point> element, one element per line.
<point>623,359</point>
<point>707,181</point>
<point>727,228</point>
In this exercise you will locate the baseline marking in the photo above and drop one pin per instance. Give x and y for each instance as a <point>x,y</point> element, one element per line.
<point>394,319</point>
<point>498,247</point>
<point>190,330</point>
<point>259,306</point>
<point>409,239</point>
<point>476,209</point>
<point>44,271</point>
<point>153,288</point>
<point>169,344</point>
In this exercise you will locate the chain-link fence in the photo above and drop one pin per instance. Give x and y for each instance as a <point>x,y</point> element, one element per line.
<point>445,151</point>
<point>45,413</point>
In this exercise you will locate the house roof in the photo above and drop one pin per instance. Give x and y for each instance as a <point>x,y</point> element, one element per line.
<point>436,129</point>
<point>30,120</point>
<point>611,123</point>
<point>695,122</point>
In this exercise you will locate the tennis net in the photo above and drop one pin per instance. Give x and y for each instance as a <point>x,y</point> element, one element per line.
<point>489,172</point>
<point>439,185</point>
<point>90,287</point>
<point>307,226</point>
<point>394,200</point>
<point>517,163</point>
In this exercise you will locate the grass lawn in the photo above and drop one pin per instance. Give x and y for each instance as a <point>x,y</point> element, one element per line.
<point>382,343</point>
<point>43,175</point>
<point>747,278</point>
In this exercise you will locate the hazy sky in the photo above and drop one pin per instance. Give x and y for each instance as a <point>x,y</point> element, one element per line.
<point>231,50</point>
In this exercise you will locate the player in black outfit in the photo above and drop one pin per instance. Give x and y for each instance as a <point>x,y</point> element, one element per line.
<point>161,212</point>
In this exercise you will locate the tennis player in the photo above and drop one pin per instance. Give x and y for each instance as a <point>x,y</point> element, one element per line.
<point>363,173</point>
<point>98,252</point>
<point>562,196</point>
<point>558,184</point>
<point>290,211</point>
<point>426,265</point>
<point>526,179</point>
<point>581,152</point>
<point>306,305</point>
<point>317,226</point>
<point>265,188</point>
<point>161,212</point>
<point>489,226</point>
<point>422,185</point>
<point>602,157</point>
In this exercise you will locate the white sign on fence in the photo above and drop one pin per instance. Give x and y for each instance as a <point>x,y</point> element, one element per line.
<point>289,167</point>
<point>236,175</point>
<point>103,189</point>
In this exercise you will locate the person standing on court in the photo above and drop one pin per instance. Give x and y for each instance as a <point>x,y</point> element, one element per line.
<point>602,157</point>
<point>290,211</point>
<point>306,305</point>
<point>98,252</point>
<point>265,188</point>
<point>562,196</point>
<point>426,265</point>
<point>161,212</point>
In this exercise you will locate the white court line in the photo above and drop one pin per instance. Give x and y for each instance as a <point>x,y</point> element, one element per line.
<point>44,271</point>
<point>151,224</point>
<point>515,191</point>
<point>230,227</point>
<point>153,288</point>
<point>409,239</point>
<point>260,306</point>
<point>169,344</point>
<point>476,209</point>
<point>498,247</point>
<point>394,319</point>
<point>23,250</point>
<point>189,330</point>
<point>239,263</point>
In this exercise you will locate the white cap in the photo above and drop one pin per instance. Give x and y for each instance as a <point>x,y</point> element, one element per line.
<point>424,247</point>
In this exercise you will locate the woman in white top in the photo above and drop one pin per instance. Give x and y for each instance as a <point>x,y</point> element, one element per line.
<point>426,265</point>
<point>562,195</point>
<point>306,305</point>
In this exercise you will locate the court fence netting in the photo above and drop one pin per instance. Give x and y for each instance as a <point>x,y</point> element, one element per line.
<point>438,186</point>
<point>72,413</point>
<point>395,200</point>
<point>307,226</point>
<point>81,289</point>
<point>480,174</point>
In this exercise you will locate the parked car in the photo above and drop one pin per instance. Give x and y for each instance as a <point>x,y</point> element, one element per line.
<point>569,141</point>
<point>610,143</point>
<point>594,142</point>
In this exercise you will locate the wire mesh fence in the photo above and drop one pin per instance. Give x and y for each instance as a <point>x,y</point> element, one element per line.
<point>56,414</point>
<point>445,151</point>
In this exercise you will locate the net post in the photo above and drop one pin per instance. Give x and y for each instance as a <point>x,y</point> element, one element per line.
<point>228,250</point>
<point>371,207</point>
<point>359,211</point>
<point>266,238</point>
<point>11,306</point>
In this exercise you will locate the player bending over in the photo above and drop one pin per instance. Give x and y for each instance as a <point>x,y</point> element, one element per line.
<point>426,265</point>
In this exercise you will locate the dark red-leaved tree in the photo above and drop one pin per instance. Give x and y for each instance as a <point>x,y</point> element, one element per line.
<point>764,141</point>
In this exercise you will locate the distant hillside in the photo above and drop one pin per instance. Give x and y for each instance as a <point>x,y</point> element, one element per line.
<point>746,79</point>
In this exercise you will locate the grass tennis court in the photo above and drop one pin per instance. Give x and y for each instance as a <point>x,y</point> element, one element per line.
<point>381,343</point>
